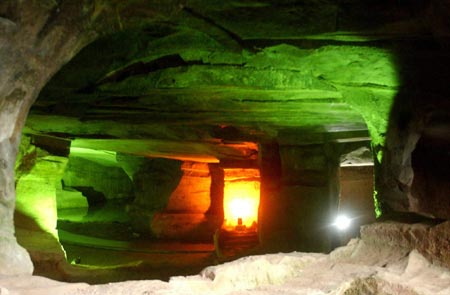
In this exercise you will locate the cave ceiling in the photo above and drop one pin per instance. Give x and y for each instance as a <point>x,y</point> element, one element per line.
<point>217,74</point>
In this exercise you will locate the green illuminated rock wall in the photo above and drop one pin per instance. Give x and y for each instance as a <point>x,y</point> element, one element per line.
<point>111,181</point>
<point>217,71</point>
<point>38,174</point>
<point>154,182</point>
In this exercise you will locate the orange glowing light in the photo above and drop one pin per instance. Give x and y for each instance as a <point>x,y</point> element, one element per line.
<point>241,197</point>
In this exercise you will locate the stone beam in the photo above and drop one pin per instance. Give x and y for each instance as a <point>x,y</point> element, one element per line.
<point>185,151</point>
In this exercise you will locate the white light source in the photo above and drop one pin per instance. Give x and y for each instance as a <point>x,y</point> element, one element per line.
<point>342,222</point>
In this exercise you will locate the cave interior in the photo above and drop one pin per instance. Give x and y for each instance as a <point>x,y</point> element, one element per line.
<point>167,137</point>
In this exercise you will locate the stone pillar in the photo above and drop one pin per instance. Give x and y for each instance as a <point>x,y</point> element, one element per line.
<point>185,217</point>
<point>15,99</point>
<point>14,260</point>
<point>356,197</point>
<point>396,173</point>
<point>36,192</point>
<point>30,56</point>
<point>296,204</point>
<point>154,182</point>
<point>36,212</point>
<point>217,183</point>
<point>269,226</point>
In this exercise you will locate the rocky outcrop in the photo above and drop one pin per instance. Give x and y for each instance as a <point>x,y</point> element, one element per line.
<point>364,266</point>
<point>14,259</point>
<point>35,216</point>
<point>430,188</point>
<point>418,126</point>
<point>431,240</point>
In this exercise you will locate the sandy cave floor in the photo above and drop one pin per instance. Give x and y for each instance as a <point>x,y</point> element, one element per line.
<point>357,268</point>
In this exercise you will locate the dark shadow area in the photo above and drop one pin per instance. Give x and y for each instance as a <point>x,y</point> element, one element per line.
<point>417,146</point>
<point>430,163</point>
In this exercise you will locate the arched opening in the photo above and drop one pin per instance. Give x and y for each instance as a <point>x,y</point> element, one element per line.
<point>356,193</point>
<point>124,215</point>
<point>155,213</point>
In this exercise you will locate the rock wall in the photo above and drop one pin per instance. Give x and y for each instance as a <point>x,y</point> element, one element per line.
<point>172,199</point>
<point>36,191</point>
<point>38,176</point>
<point>419,125</point>
<point>430,188</point>
<point>30,56</point>
<point>432,240</point>
<point>98,177</point>
<point>14,259</point>
<point>154,182</point>
<point>39,37</point>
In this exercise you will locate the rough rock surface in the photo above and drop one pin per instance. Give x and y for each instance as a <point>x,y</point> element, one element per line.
<point>99,176</point>
<point>35,213</point>
<point>154,182</point>
<point>192,193</point>
<point>238,70</point>
<point>358,268</point>
<point>432,241</point>
<point>36,40</point>
<point>36,192</point>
